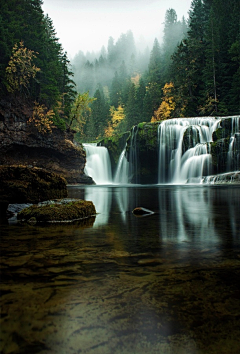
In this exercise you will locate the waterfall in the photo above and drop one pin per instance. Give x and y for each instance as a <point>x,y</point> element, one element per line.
<point>121,176</point>
<point>98,165</point>
<point>234,135</point>
<point>176,165</point>
<point>181,152</point>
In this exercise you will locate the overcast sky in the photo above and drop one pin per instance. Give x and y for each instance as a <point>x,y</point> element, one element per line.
<point>87,24</point>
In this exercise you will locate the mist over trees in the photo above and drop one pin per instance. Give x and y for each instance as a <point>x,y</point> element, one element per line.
<point>127,78</point>
<point>194,71</point>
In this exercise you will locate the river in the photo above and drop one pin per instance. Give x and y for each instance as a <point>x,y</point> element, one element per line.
<point>167,283</point>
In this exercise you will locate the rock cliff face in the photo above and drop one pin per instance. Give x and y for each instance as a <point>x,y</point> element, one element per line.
<point>224,158</point>
<point>142,145</point>
<point>21,143</point>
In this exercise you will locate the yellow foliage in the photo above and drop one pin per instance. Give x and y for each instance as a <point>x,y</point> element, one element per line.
<point>42,118</point>
<point>167,106</point>
<point>79,110</point>
<point>117,117</point>
<point>20,68</point>
<point>135,79</point>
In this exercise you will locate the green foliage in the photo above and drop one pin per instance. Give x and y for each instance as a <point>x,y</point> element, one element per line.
<point>37,66</point>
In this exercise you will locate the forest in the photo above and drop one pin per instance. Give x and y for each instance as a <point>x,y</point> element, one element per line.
<point>194,71</point>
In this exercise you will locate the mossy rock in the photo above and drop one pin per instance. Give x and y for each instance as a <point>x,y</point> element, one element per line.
<point>58,211</point>
<point>21,184</point>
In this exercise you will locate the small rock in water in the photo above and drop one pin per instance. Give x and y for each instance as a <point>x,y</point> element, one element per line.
<point>140,211</point>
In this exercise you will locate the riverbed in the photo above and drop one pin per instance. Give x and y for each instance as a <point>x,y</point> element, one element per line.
<point>164,283</point>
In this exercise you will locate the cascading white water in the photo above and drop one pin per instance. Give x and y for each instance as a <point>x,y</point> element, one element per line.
<point>176,166</point>
<point>184,153</point>
<point>235,130</point>
<point>121,176</point>
<point>98,165</point>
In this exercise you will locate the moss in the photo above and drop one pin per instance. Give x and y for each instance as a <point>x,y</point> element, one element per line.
<point>141,125</point>
<point>73,210</point>
<point>20,184</point>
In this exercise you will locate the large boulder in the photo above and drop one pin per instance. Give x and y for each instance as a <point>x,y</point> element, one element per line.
<point>58,211</point>
<point>21,184</point>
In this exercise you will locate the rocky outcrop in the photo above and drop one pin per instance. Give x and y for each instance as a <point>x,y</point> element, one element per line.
<point>64,210</point>
<point>225,148</point>
<point>21,143</point>
<point>224,178</point>
<point>191,137</point>
<point>143,146</point>
<point>20,184</point>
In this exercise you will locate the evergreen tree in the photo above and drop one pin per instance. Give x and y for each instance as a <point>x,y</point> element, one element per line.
<point>140,95</point>
<point>174,31</point>
<point>130,109</point>
<point>22,21</point>
<point>100,116</point>
<point>116,91</point>
<point>154,79</point>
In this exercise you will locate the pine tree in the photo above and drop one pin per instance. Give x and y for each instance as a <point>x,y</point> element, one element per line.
<point>130,109</point>
<point>99,114</point>
<point>154,78</point>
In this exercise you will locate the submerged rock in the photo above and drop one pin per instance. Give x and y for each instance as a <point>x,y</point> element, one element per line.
<point>140,211</point>
<point>64,210</point>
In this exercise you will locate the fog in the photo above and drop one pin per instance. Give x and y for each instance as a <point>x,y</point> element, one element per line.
<point>87,25</point>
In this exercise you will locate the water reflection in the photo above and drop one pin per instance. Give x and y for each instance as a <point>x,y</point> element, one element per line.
<point>167,283</point>
<point>182,213</point>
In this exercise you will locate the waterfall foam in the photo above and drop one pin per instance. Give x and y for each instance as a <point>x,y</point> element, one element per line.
<point>175,165</point>
<point>98,165</point>
<point>121,176</point>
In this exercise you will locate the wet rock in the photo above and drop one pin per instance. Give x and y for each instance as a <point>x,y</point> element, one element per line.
<point>140,211</point>
<point>64,210</point>
<point>224,178</point>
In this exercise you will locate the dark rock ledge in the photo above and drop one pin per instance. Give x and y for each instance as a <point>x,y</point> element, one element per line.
<point>22,144</point>
<point>45,190</point>
<point>21,184</point>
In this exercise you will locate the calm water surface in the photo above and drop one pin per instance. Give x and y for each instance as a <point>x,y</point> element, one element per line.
<point>117,283</point>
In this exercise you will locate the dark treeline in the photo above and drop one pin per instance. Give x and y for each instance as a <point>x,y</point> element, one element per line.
<point>24,26</point>
<point>193,72</point>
